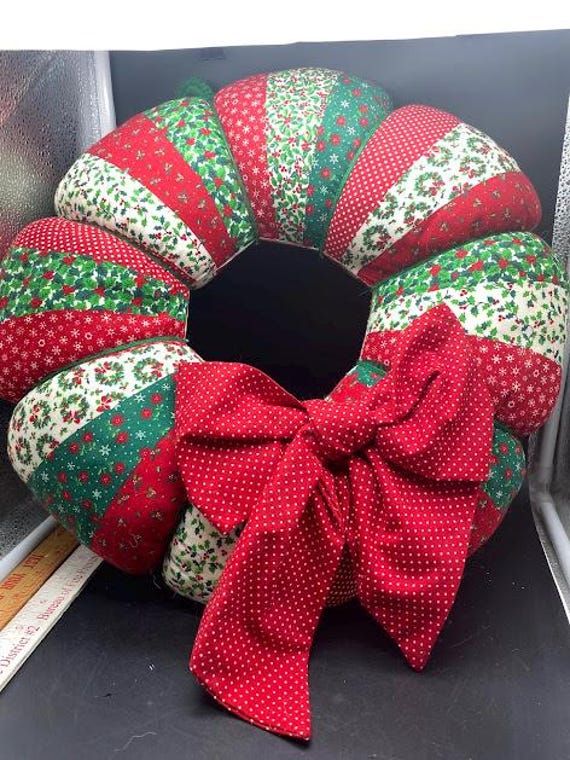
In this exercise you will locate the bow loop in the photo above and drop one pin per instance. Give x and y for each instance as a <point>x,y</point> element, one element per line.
<point>231,421</point>
<point>433,394</point>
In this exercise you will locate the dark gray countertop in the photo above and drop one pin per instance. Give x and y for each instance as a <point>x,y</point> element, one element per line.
<point>110,681</point>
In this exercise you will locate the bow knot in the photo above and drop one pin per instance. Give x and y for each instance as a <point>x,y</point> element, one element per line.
<point>339,430</point>
<point>414,450</point>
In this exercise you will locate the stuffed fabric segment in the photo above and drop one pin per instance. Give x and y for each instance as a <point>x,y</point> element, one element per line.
<point>167,181</point>
<point>94,443</point>
<point>295,135</point>
<point>198,552</point>
<point>425,182</point>
<point>68,290</point>
<point>511,295</point>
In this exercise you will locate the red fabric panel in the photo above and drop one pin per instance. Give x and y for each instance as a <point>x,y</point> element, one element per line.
<point>523,384</point>
<point>35,345</point>
<point>405,136</point>
<point>144,152</point>
<point>133,534</point>
<point>241,110</point>
<point>65,236</point>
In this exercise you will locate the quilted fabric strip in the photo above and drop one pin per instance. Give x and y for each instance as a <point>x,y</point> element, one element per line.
<point>505,287</point>
<point>64,236</point>
<point>241,110</point>
<point>401,139</point>
<point>141,150</point>
<point>140,518</point>
<point>192,127</point>
<point>67,281</point>
<point>97,191</point>
<point>295,104</point>
<point>62,405</point>
<point>463,158</point>
<point>79,479</point>
<point>502,203</point>
<point>35,345</point>
<point>354,109</point>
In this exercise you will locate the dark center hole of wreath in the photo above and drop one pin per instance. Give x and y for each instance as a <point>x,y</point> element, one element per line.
<point>293,314</point>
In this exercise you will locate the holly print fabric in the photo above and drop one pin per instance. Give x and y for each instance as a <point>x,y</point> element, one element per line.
<point>425,182</point>
<point>95,445</point>
<point>192,127</point>
<point>507,287</point>
<point>197,556</point>
<point>511,295</point>
<point>295,135</point>
<point>167,181</point>
<point>68,290</point>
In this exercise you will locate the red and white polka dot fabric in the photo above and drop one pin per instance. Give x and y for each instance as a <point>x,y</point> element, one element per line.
<point>394,478</point>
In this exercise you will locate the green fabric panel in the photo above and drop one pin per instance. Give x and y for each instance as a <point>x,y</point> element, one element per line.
<point>502,259</point>
<point>80,479</point>
<point>508,468</point>
<point>56,280</point>
<point>354,111</point>
<point>192,126</point>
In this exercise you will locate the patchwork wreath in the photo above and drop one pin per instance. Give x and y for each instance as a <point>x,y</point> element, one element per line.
<point>155,458</point>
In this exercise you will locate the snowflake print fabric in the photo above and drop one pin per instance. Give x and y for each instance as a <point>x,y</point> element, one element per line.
<point>94,443</point>
<point>68,290</point>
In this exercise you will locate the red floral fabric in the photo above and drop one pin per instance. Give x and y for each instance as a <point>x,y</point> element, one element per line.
<point>393,479</point>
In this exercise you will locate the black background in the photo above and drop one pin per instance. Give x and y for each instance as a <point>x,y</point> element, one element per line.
<point>110,681</point>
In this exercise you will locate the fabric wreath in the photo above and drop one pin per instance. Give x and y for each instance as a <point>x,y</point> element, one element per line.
<point>266,506</point>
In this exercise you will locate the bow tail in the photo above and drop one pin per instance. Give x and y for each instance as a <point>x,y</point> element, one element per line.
<point>410,552</point>
<point>252,648</point>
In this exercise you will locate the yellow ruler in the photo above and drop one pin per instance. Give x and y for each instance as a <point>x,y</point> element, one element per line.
<point>33,622</point>
<point>30,575</point>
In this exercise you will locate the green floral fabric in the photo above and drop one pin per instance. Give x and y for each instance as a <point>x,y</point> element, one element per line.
<point>353,111</point>
<point>193,128</point>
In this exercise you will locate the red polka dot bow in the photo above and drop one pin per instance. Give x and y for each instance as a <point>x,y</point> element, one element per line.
<point>390,479</point>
